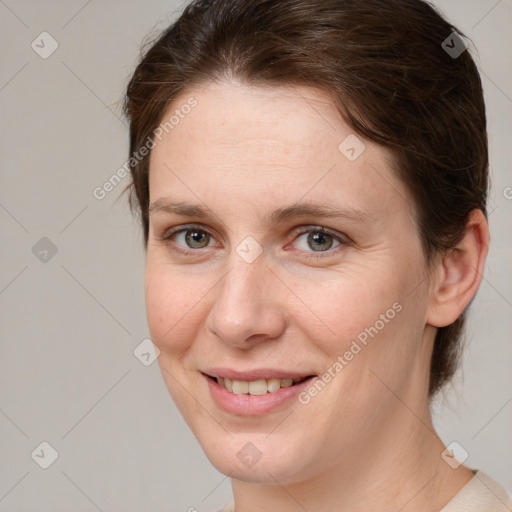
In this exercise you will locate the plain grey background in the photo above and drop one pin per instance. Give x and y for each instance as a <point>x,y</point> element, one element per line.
<point>71,319</point>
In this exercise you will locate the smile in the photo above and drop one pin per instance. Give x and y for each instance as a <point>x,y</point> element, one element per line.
<point>256,387</point>
<point>257,392</point>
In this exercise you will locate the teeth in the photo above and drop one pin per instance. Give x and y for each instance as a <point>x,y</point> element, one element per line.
<point>255,387</point>
<point>240,387</point>
<point>273,385</point>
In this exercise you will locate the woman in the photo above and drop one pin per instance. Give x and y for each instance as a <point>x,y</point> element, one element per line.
<point>312,182</point>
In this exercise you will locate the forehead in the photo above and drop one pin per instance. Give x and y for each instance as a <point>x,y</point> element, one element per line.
<point>262,145</point>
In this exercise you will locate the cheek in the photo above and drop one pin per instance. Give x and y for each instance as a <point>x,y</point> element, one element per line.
<point>367,315</point>
<point>339,307</point>
<point>172,306</point>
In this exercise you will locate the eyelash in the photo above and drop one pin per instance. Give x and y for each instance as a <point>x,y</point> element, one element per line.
<point>343,240</point>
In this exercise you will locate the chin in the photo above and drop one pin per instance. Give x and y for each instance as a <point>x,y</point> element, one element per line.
<point>255,457</point>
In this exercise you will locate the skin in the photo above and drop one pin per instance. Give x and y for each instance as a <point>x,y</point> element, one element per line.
<point>366,441</point>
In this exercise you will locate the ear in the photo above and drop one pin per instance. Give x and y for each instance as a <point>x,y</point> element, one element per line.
<point>459,273</point>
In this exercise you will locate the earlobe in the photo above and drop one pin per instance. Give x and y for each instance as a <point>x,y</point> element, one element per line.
<point>460,273</point>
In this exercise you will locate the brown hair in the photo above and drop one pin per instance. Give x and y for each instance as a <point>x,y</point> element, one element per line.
<point>385,67</point>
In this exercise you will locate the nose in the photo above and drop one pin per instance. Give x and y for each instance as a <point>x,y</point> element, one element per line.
<point>247,310</point>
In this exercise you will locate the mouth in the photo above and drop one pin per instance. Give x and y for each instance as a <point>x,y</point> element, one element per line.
<point>257,387</point>
<point>256,392</point>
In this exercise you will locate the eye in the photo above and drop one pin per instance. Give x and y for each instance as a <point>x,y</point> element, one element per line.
<point>317,239</point>
<point>189,237</point>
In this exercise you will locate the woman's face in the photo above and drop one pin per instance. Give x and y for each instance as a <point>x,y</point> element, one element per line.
<point>282,247</point>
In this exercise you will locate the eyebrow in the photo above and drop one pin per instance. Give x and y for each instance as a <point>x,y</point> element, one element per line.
<point>291,212</point>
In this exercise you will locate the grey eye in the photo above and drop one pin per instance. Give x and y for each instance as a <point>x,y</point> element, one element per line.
<point>194,238</point>
<point>316,241</point>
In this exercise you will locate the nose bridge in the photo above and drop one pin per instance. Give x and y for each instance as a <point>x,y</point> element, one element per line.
<point>244,307</point>
<point>244,282</point>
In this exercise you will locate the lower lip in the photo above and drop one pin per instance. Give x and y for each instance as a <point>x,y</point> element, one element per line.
<point>253,405</point>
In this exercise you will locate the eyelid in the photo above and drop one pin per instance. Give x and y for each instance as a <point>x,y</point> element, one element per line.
<point>182,227</point>
<point>315,227</point>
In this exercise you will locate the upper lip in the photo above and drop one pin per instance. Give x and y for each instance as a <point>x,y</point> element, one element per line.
<point>255,374</point>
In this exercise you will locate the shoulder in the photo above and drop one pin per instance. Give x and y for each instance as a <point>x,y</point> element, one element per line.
<point>480,494</point>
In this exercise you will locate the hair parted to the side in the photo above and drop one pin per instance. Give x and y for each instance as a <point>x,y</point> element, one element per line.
<point>382,64</point>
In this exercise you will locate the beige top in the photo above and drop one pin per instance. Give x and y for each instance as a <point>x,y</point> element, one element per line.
<point>480,494</point>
